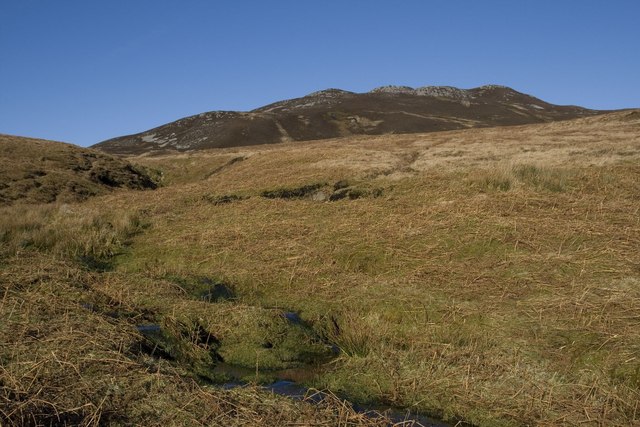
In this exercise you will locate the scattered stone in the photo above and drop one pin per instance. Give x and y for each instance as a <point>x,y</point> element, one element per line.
<point>320,196</point>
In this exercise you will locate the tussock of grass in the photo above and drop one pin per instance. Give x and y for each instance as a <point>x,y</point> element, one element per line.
<point>351,336</point>
<point>65,230</point>
<point>507,177</point>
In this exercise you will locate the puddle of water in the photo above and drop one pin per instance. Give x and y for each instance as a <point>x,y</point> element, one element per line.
<point>398,416</point>
<point>292,317</point>
<point>148,329</point>
<point>298,375</point>
<point>287,388</point>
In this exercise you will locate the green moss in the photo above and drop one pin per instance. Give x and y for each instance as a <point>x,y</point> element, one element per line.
<point>266,339</point>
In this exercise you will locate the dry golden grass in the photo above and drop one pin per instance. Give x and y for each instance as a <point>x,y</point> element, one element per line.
<point>494,279</point>
<point>75,231</point>
<point>596,141</point>
<point>41,171</point>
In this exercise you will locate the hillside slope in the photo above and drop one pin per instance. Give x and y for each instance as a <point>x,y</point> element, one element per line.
<point>489,275</point>
<point>334,113</point>
<point>36,171</point>
<point>483,275</point>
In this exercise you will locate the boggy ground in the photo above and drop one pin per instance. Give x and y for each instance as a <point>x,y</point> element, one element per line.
<point>483,275</point>
<point>76,348</point>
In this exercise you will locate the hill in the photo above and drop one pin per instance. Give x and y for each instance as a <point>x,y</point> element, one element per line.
<point>483,275</point>
<point>333,113</point>
<point>37,171</point>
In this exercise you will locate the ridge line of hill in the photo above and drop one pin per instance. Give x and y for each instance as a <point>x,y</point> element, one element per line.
<point>334,113</point>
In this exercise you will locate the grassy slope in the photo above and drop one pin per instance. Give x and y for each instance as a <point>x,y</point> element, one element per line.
<point>70,353</point>
<point>495,278</point>
<point>40,171</point>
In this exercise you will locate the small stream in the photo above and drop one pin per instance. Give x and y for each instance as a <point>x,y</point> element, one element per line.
<point>288,382</point>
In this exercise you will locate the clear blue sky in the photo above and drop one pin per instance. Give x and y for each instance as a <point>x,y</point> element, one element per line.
<point>83,71</point>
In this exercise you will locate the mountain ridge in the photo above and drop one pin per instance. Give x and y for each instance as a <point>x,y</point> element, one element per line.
<point>333,112</point>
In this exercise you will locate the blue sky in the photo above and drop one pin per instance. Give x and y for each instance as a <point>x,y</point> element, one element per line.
<point>83,71</point>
